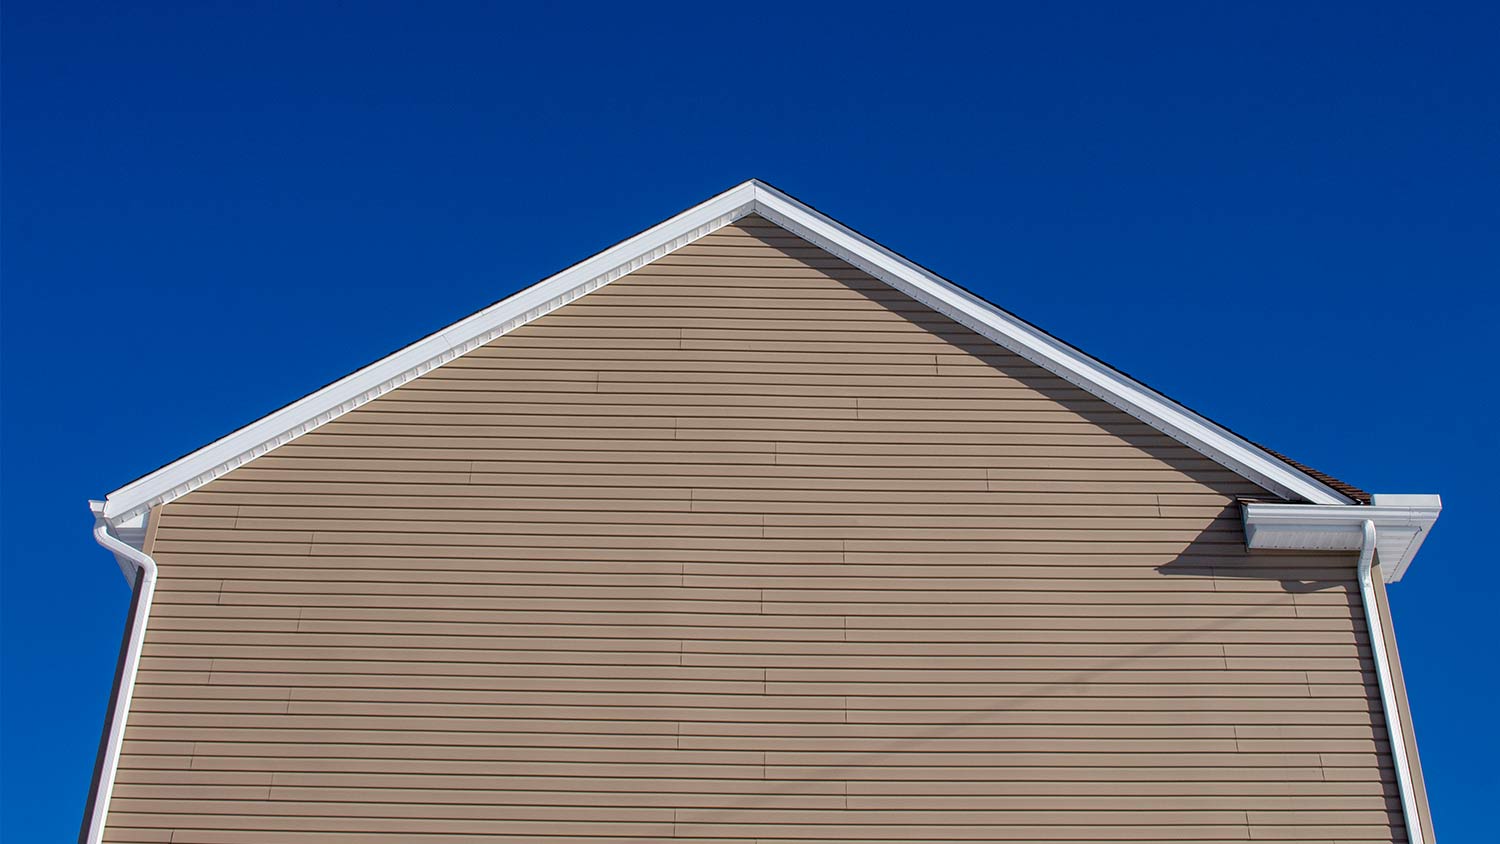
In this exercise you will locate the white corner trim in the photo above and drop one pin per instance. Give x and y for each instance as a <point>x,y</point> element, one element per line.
<point>1401,524</point>
<point>1368,547</point>
<point>236,449</point>
<point>132,532</point>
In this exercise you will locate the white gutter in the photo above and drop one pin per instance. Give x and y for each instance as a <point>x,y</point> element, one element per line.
<point>140,569</point>
<point>1393,730</point>
<point>1403,522</point>
<point>1393,526</point>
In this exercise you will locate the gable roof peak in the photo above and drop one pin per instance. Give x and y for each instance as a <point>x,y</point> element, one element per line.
<point>753,196</point>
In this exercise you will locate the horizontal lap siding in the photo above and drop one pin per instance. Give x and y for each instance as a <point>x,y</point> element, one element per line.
<point>744,547</point>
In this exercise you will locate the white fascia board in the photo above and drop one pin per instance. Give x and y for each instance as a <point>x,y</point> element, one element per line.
<point>260,437</point>
<point>1046,351</point>
<point>217,458</point>
<point>1401,524</point>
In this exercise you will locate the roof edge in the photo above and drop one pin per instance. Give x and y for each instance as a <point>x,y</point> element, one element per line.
<point>1073,365</point>
<point>324,405</point>
<point>751,197</point>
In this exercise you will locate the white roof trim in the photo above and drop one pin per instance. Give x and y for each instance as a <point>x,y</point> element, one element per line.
<point>213,460</point>
<point>1402,522</point>
<point>1046,351</point>
<point>217,458</point>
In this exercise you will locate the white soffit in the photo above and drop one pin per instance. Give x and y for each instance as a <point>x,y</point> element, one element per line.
<point>1402,522</point>
<point>752,197</point>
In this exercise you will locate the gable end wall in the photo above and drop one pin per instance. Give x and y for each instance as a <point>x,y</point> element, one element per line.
<point>744,546</point>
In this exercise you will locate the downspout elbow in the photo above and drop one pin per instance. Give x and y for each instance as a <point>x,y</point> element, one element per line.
<point>125,554</point>
<point>1367,552</point>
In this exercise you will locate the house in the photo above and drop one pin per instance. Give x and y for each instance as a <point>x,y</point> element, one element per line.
<point>750,529</point>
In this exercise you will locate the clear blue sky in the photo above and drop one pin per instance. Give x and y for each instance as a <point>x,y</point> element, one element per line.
<point>1288,218</point>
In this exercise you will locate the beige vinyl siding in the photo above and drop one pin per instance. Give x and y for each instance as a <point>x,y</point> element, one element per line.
<point>744,547</point>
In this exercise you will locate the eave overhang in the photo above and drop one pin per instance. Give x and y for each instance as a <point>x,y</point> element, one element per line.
<point>1401,523</point>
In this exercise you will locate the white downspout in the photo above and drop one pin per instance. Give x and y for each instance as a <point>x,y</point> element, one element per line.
<point>144,569</point>
<point>1393,729</point>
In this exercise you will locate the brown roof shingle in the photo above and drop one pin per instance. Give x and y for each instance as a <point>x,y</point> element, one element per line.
<point>1337,485</point>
